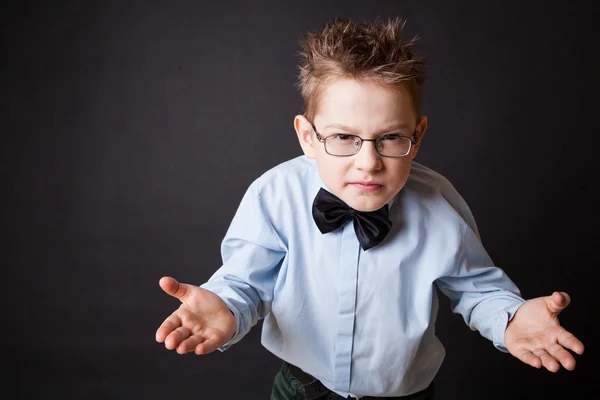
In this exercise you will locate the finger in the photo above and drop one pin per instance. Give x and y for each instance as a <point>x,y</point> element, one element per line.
<point>558,301</point>
<point>176,337</point>
<point>208,346</point>
<point>168,326</point>
<point>173,288</point>
<point>569,341</point>
<point>561,355</point>
<point>189,344</point>
<point>547,360</point>
<point>529,358</point>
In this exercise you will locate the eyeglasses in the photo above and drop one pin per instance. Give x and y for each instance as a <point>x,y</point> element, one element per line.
<point>343,145</point>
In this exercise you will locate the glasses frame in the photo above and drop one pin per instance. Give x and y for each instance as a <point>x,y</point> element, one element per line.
<point>322,139</point>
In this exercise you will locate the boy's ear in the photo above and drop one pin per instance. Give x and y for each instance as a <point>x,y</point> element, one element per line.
<point>306,136</point>
<point>419,133</point>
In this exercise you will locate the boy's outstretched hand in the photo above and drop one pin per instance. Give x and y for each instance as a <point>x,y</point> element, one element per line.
<point>202,323</point>
<point>535,336</point>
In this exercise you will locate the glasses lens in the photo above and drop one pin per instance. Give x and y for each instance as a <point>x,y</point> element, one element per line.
<point>393,145</point>
<point>342,145</point>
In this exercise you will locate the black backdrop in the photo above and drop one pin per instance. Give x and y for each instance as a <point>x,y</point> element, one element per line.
<point>132,129</point>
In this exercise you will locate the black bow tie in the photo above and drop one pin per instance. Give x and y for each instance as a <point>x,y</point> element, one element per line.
<point>330,212</point>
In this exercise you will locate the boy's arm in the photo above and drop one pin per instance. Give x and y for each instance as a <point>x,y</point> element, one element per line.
<point>491,304</point>
<point>252,254</point>
<point>482,293</point>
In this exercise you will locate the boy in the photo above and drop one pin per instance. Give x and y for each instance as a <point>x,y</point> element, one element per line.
<point>341,250</point>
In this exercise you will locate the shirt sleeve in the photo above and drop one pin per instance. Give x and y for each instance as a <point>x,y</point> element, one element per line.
<point>252,254</point>
<point>481,292</point>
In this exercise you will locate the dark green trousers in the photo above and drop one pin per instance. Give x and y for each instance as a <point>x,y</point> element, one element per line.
<point>287,387</point>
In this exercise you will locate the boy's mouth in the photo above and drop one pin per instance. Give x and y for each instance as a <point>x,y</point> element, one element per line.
<point>366,186</point>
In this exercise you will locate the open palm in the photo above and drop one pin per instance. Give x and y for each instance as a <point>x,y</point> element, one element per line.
<point>201,324</point>
<point>535,336</point>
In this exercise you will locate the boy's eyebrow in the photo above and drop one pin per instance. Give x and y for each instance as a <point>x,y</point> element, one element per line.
<point>393,127</point>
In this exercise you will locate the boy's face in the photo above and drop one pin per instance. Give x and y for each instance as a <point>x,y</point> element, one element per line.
<point>365,181</point>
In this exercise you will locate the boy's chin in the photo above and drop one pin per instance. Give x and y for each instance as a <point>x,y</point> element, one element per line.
<point>366,204</point>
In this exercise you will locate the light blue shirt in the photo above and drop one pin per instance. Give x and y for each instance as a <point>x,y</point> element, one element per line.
<point>362,322</point>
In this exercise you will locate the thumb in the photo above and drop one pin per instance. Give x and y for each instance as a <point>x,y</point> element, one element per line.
<point>557,302</point>
<point>173,288</point>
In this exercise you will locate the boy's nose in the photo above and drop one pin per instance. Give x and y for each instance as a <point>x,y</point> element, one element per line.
<point>367,159</point>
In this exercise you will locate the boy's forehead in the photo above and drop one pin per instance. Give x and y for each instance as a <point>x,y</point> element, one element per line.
<point>350,102</point>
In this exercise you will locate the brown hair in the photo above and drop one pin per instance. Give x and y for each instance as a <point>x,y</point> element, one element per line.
<point>370,50</point>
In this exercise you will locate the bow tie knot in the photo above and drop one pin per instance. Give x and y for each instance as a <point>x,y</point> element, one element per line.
<point>330,212</point>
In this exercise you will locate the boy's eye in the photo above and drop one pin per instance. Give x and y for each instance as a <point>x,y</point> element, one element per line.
<point>341,137</point>
<point>392,137</point>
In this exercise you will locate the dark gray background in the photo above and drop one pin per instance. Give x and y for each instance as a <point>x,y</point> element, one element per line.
<point>132,129</point>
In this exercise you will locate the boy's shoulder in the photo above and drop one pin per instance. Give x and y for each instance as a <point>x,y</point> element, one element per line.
<point>287,188</point>
<point>297,170</point>
<point>429,184</point>
<point>422,177</point>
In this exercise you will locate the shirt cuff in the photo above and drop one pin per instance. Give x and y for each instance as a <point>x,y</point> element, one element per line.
<point>501,324</point>
<point>236,337</point>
